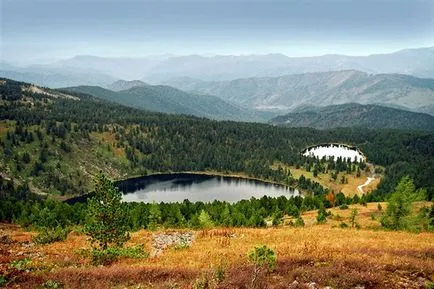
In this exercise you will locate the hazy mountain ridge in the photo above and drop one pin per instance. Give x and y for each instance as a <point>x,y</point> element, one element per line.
<point>356,115</point>
<point>55,77</point>
<point>167,99</point>
<point>285,93</point>
<point>120,85</point>
<point>159,69</point>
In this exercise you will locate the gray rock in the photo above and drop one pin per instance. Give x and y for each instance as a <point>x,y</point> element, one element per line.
<point>162,241</point>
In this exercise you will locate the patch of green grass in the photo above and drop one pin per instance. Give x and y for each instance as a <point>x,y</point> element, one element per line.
<point>21,264</point>
<point>47,236</point>
<point>111,254</point>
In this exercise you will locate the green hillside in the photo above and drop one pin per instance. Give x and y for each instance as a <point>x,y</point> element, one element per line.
<point>356,115</point>
<point>170,100</point>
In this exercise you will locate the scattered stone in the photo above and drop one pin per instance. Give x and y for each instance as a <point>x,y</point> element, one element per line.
<point>294,284</point>
<point>421,282</point>
<point>163,240</point>
<point>359,287</point>
<point>312,285</point>
<point>27,244</point>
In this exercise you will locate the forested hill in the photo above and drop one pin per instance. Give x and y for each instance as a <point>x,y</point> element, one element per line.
<point>56,142</point>
<point>320,89</point>
<point>160,98</point>
<point>356,115</point>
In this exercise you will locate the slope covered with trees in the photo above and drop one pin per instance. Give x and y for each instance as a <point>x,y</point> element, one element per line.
<point>167,99</point>
<point>356,115</point>
<point>57,142</point>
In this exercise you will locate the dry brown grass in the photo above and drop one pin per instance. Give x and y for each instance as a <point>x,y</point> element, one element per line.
<point>349,189</point>
<point>341,258</point>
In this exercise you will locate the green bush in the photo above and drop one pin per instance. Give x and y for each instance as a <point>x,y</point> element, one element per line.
<point>219,274</point>
<point>182,245</point>
<point>21,264</point>
<point>353,218</point>
<point>103,257</point>
<point>343,225</point>
<point>322,215</point>
<point>3,280</point>
<point>202,283</point>
<point>50,284</point>
<point>299,222</point>
<point>47,236</point>
<point>263,257</point>
<point>343,207</point>
<point>111,254</point>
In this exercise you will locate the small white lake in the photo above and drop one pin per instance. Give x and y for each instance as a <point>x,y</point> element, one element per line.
<point>335,150</point>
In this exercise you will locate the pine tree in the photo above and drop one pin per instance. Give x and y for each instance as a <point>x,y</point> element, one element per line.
<point>107,223</point>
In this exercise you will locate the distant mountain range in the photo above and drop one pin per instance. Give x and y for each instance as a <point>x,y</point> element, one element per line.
<point>125,84</point>
<point>286,93</point>
<point>55,77</point>
<point>158,69</point>
<point>167,99</point>
<point>356,115</point>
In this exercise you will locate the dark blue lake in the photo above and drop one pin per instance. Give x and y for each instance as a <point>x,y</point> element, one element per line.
<point>197,187</point>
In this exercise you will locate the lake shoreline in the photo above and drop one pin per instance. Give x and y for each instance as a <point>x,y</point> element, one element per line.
<point>123,184</point>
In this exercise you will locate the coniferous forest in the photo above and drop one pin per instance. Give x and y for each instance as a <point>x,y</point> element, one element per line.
<point>44,132</point>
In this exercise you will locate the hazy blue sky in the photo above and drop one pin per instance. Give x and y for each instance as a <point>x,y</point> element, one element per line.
<point>34,30</point>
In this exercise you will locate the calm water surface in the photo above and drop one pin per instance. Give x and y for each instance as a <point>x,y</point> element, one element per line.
<point>334,150</point>
<point>196,187</point>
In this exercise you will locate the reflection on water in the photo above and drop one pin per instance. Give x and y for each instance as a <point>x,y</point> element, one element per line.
<point>334,150</point>
<point>196,187</point>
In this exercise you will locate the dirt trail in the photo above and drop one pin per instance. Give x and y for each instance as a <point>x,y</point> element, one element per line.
<point>368,181</point>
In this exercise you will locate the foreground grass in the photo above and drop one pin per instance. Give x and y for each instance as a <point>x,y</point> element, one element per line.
<point>325,254</point>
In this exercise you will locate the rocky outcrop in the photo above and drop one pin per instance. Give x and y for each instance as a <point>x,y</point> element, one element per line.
<point>161,241</point>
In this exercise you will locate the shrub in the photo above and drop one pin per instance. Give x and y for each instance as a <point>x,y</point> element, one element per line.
<point>343,225</point>
<point>21,264</point>
<point>343,207</point>
<point>321,218</point>
<point>353,218</point>
<point>264,259</point>
<point>103,257</point>
<point>299,222</point>
<point>47,236</point>
<point>111,254</point>
<point>50,284</point>
<point>202,283</point>
<point>3,280</point>
<point>182,245</point>
<point>219,274</point>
